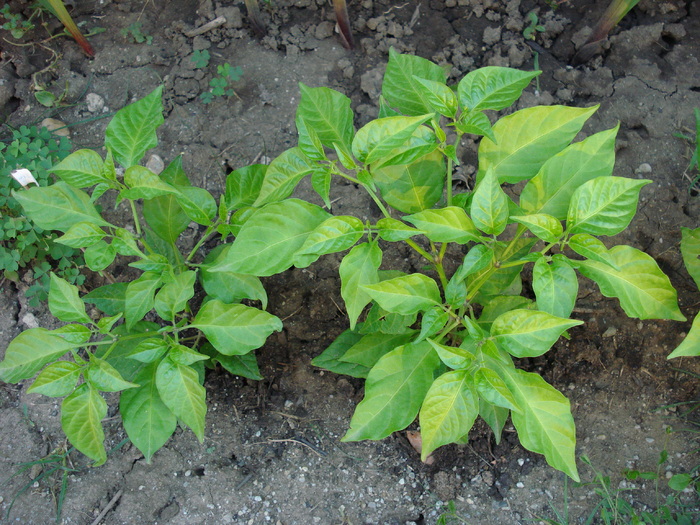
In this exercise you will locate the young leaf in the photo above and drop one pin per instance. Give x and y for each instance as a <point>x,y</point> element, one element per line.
<point>591,248</point>
<point>478,258</point>
<point>139,297</point>
<point>690,346</point>
<point>174,295</point>
<point>81,419</point>
<point>527,138</point>
<point>493,87</point>
<point>449,410</point>
<point>235,329</point>
<point>77,334</point>
<point>551,189</point>
<point>357,269</point>
<point>643,289</point>
<point>58,207</point>
<point>544,226</point>
<point>132,131</point>
<point>406,294</point>
<point>321,183</point>
<point>371,347</point>
<point>82,235</point>
<point>556,287</point>
<point>268,240</point>
<point>148,422</point>
<point>165,217</point>
<point>179,389</point>
<point>494,416</point>
<point>491,387</point>
<point>455,358</point>
<point>380,137</point>
<point>400,88</point>
<point>393,230</point>
<point>394,392</point>
<point>333,235</point>
<point>142,183</point>
<point>529,333</point>
<point>64,301</point>
<point>413,187</point>
<point>149,350</point>
<point>440,97</point>
<point>197,203</point>
<point>104,377</point>
<point>82,169</point>
<point>690,250</point>
<point>476,123</point>
<point>422,142</point>
<point>56,380</point>
<point>432,322</point>
<point>30,351</point>
<point>449,224</point>
<point>99,256</point>
<point>489,208</point>
<point>328,113</point>
<point>545,425</point>
<point>184,355</point>
<point>379,320</point>
<point>604,205</point>
<point>282,176</point>
<point>243,186</point>
<point>330,357</point>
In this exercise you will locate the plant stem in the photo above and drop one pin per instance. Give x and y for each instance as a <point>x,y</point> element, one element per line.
<point>210,231</point>
<point>137,223</point>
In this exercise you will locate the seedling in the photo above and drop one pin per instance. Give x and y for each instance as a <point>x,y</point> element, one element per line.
<point>694,141</point>
<point>200,58</point>
<point>533,27</point>
<point>443,345</point>
<point>15,23</point>
<point>58,9</point>
<point>137,35</point>
<point>220,83</point>
<point>615,12</point>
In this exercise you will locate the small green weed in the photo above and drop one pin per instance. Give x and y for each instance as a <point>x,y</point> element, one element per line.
<point>533,26</point>
<point>200,58</point>
<point>137,35</point>
<point>694,141</point>
<point>450,516</point>
<point>220,83</point>
<point>15,23</point>
<point>22,243</point>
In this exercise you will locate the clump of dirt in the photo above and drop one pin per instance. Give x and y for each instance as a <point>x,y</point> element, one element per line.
<point>272,452</point>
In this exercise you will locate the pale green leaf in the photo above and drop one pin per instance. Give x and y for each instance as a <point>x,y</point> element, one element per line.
<point>405,295</point>
<point>82,235</point>
<point>556,287</point>
<point>179,389</point>
<point>358,269</point>
<point>139,297</point>
<point>99,256</point>
<point>545,227</point>
<point>64,301</point>
<point>56,380</point>
<point>142,183</point>
<point>371,347</point>
<point>455,358</point>
<point>229,287</point>
<point>243,186</point>
<point>529,333</point>
<point>440,97</point>
<point>690,346</point>
<point>494,416</point>
<point>197,203</point>
<point>493,87</point>
<point>282,176</point>
<point>380,137</point>
<point>174,295</point>
<point>333,235</point>
<point>591,248</point>
<point>393,230</point>
<point>104,377</point>
<point>400,88</point>
<point>81,419</point>
<point>30,351</point>
<point>449,224</point>
<point>489,207</point>
<point>149,350</point>
<point>491,387</point>
<point>690,250</point>
<point>328,112</point>
<point>82,169</point>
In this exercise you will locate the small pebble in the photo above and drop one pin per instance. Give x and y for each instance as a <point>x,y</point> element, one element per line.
<point>520,485</point>
<point>650,440</point>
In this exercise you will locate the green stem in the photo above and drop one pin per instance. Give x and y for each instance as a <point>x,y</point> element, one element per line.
<point>137,223</point>
<point>448,182</point>
<point>210,231</point>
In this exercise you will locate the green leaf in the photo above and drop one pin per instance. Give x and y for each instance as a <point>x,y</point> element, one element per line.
<point>330,357</point>
<point>489,208</point>
<point>30,351</point>
<point>235,329</point>
<point>64,301</point>
<point>104,377</point>
<point>500,304</point>
<point>644,291</point>
<point>591,248</point>
<point>82,235</point>
<point>148,422</point>
<point>309,142</point>
<point>282,176</point>
<point>491,387</point>
<point>184,355</point>
<point>82,169</point>
<point>371,347</point>
<point>413,187</point>
<point>109,298</point>
<point>105,324</point>
<point>179,389</point>
<point>528,138</point>
<point>245,365</point>
<point>440,97</point>
<point>142,183</point>
<point>493,87</point>
<point>690,346</point>
<point>174,295</point>
<point>321,183</point>
<point>358,269</point>
<point>58,207</point>
<point>268,240</point>
<point>478,258</point>
<point>529,333</point>
<point>197,203</point>
<point>448,412</point>
<point>56,380</point>
<point>380,137</point>
<point>551,189</point>
<point>556,287</point>
<point>422,142</point>
<point>99,256</point>
<point>243,186</point>
<point>432,322</point>
<point>149,350</point>
<point>455,358</point>
<point>405,295</point>
<point>77,334</point>
<point>379,320</point>
<point>400,87</point>
<point>132,131</point>
<point>229,287</point>
<point>328,113</point>
<point>544,226</point>
<point>394,392</point>
<point>494,416</point>
<point>604,205</point>
<point>165,217</point>
<point>545,425</point>
<point>393,230</point>
<point>82,413</point>
<point>139,297</point>
<point>333,235</point>
<point>690,250</point>
<point>476,123</point>
<point>449,224</point>
<point>679,482</point>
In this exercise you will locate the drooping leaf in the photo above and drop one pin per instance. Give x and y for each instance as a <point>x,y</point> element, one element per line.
<point>492,87</point>
<point>440,97</point>
<point>491,387</point>
<point>132,131</point>
<point>405,295</point>
<point>329,359</point>
<point>394,392</point>
<point>644,291</point>
<point>448,224</point>
<point>529,333</point>
<point>528,138</point>
<point>235,329</point>
<point>30,351</point>
<point>489,208</point>
<point>449,410</point>
<point>64,301</point>
<point>455,358</point>
<point>245,365</point>
<point>401,89</point>
<point>358,269</point>
<point>591,248</point>
<point>690,346</point>
<point>556,287</point>
<point>494,416</point>
<point>81,419</point>
<point>179,389</point>
<point>148,422</point>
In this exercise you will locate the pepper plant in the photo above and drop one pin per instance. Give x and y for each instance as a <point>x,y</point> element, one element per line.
<point>155,360</point>
<point>445,346</point>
